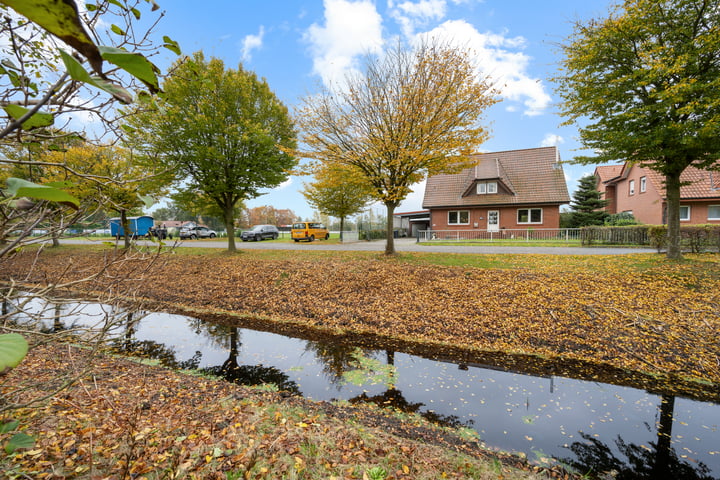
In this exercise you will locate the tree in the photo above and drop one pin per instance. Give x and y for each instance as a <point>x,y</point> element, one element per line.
<point>339,192</point>
<point>643,85</point>
<point>104,178</point>
<point>221,131</point>
<point>412,113</point>
<point>587,206</point>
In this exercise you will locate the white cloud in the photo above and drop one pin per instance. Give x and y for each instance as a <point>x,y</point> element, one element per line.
<point>352,29</point>
<point>499,57</point>
<point>284,184</point>
<point>552,140</point>
<point>250,43</point>
<point>411,15</point>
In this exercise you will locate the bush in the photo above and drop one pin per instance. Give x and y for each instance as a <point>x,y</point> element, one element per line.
<point>621,219</point>
<point>697,238</point>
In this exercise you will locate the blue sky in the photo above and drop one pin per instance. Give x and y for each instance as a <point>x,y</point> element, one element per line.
<point>298,45</point>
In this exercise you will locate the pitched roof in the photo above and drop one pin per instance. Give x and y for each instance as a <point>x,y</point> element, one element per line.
<point>697,183</point>
<point>529,176</point>
<point>608,172</point>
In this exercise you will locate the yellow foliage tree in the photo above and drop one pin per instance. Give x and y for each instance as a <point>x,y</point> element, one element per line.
<point>411,113</point>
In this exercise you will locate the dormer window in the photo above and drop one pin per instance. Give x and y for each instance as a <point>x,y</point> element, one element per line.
<point>486,188</point>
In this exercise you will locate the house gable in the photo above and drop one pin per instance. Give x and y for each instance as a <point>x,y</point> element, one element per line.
<point>523,177</point>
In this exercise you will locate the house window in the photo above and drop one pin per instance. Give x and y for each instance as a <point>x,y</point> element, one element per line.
<point>529,215</point>
<point>632,187</point>
<point>486,187</point>
<point>714,212</point>
<point>685,213</point>
<point>459,217</point>
<point>643,184</point>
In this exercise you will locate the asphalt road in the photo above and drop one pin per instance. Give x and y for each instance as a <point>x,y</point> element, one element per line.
<point>401,245</point>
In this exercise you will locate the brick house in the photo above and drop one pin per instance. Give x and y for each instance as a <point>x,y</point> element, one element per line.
<point>515,189</point>
<point>640,191</point>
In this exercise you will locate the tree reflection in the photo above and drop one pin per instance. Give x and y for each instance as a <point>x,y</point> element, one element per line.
<point>659,462</point>
<point>233,372</point>
<point>336,359</point>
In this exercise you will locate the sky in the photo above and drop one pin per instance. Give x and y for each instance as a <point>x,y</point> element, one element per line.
<point>300,45</point>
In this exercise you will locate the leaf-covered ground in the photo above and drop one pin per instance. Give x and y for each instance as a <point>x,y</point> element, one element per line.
<point>125,420</point>
<point>663,318</point>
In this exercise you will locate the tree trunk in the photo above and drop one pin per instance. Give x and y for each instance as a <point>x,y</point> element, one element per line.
<point>230,228</point>
<point>342,227</point>
<point>672,190</point>
<point>390,242</point>
<point>126,228</point>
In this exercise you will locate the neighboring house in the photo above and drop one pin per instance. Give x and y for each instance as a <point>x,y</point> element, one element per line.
<point>504,190</point>
<point>640,191</point>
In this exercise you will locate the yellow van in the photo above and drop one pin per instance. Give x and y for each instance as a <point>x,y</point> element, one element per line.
<point>309,231</point>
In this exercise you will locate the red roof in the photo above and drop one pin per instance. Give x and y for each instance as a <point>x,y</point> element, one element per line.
<point>529,176</point>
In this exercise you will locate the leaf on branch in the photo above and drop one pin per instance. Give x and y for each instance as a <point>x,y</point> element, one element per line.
<point>171,45</point>
<point>78,73</point>
<point>133,63</point>
<point>60,18</point>
<point>18,187</point>
<point>37,120</point>
<point>13,348</point>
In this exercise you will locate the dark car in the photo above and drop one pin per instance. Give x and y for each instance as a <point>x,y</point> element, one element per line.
<point>260,232</point>
<point>197,232</point>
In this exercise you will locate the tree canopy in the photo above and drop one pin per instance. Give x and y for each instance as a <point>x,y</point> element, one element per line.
<point>338,191</point>
<point>643,85</point>
<point>413,112</point>
<point>223,131</point>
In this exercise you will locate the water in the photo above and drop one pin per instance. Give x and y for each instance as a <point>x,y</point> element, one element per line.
<point>586,425</point>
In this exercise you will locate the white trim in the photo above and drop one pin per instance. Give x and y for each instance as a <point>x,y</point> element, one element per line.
<point>689,213</point>
<point>718,212</point>
<point>529,214</point>
<point>458,217</point>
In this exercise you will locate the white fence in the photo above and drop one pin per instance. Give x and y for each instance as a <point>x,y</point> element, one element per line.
<point>504,235</point>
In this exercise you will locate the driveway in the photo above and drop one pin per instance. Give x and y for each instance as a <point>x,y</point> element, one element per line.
<point>401,245</point>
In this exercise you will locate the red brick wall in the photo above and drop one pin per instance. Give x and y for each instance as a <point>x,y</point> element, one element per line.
<point>508,218</point>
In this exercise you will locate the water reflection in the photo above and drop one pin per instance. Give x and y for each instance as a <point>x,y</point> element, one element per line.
<point>587,425</point>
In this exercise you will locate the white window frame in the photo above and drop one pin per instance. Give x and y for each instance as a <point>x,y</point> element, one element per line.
<point>687,217</point>
<point>481,188</point>
<point>718,212</point>
<point>486,188</point>
<point>643,184</point>
<point>632,187</point>
<point>529,216</point>
<point>458,213</point>
<point>492,187</point>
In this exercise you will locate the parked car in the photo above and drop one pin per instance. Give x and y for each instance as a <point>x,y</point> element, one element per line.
<point>260,232</point>
<point>309,231</point>
<point>197,232</point>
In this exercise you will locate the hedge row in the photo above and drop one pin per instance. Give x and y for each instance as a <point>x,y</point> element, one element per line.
<point>696,238</point>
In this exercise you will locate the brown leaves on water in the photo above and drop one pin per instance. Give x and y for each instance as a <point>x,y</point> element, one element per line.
<point>660,319</point>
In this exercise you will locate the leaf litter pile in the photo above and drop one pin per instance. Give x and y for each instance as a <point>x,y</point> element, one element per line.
<point>663,320</point>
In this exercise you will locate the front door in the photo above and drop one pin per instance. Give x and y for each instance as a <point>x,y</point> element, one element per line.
<point>493,223</point>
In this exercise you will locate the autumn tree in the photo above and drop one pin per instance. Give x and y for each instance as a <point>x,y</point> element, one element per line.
<point>105,178</point>
<point>221,130</point>
<point>339,192</point>
<point>268,214</point>
<point>643,86</point>
<point>413,112</point>
<point>587,206</point>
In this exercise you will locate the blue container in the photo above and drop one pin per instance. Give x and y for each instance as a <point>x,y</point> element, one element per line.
<point>139,226</point>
